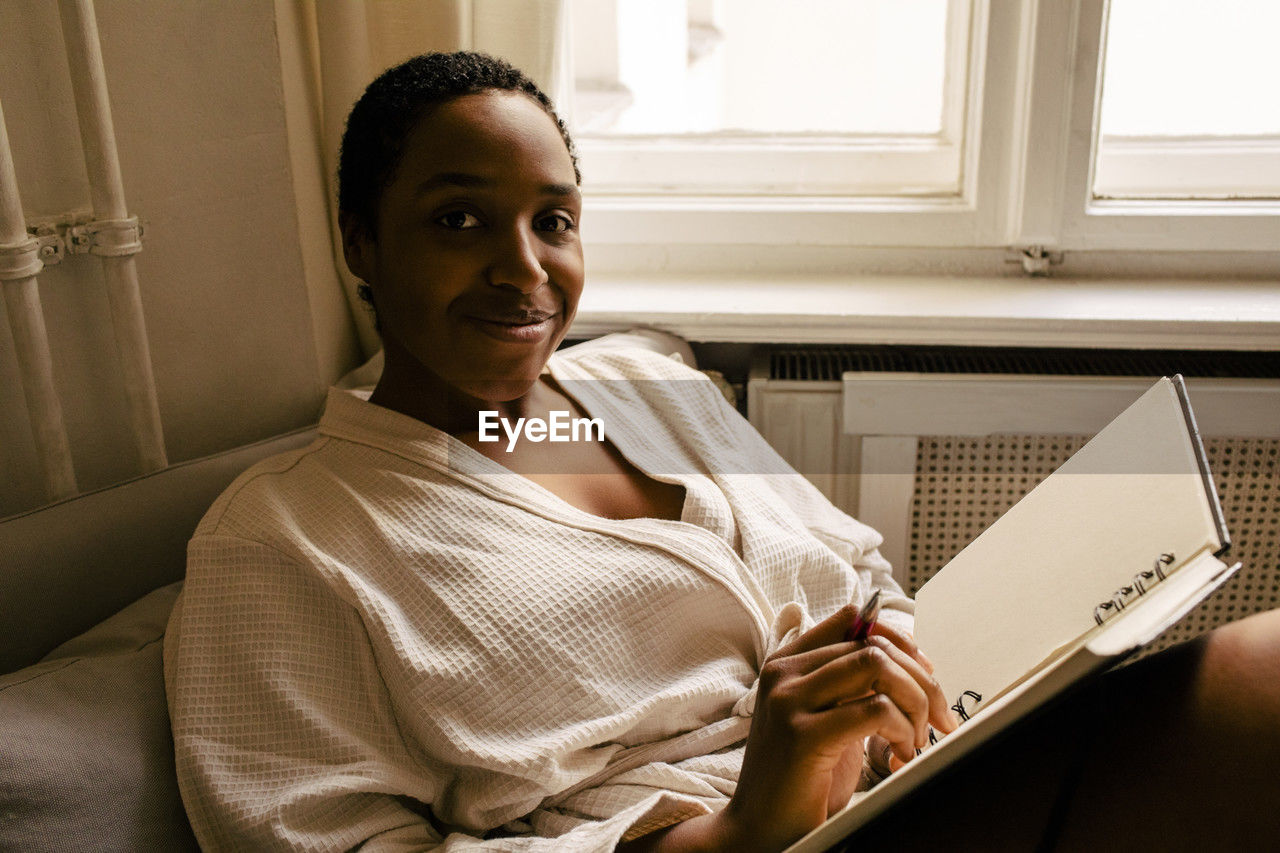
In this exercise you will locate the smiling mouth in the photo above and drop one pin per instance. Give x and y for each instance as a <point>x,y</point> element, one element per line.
<point>521,327</point>
<point>520,318</point>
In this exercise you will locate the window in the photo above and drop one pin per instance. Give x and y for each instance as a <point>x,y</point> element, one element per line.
<point>1189,104</point>
<point>969,126</point>
<point>821,97</point>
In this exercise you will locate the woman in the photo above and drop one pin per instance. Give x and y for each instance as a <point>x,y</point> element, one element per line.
<point>407,635</point>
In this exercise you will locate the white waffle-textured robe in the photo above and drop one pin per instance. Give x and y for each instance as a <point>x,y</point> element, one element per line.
<point>387,620</point>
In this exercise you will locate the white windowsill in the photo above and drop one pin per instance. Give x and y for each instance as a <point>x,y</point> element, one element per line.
<point>1044,312</point>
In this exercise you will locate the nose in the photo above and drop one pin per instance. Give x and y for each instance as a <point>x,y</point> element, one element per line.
<point>516,261</point>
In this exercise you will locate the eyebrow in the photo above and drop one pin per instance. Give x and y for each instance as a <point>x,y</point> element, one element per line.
<point>467,180</point>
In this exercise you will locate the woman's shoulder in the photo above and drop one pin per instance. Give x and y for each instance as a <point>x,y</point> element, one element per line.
<point>606,360</point>
<point>262,492</point>
<point>363,456</point>
<point>634,376</point>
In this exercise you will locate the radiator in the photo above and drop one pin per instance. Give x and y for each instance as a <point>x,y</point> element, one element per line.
<point>930,445</point>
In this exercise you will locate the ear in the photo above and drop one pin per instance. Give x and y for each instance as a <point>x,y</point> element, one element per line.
<point>357,247</point>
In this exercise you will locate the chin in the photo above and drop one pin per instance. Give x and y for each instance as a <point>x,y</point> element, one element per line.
<point>497,390</point>
<point>499,376</point>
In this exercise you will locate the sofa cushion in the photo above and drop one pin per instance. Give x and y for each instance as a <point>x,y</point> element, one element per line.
<point>72,564</point>
<point>86,757</point>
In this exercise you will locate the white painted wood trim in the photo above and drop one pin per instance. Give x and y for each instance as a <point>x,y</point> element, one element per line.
<point>802,423</point>
<point>914,404</point>
<point>1212,167</point>
<point>1039,148</point>
<point>885,488</point>
<point>885,309</point>
<point>889,411</point>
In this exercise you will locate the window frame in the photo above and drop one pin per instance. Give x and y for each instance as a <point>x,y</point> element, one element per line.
<point>1139,224</point>
<point>738,164</point>
<point>963,218</point>
<point>1173,168</point>
<point>1033,102</point>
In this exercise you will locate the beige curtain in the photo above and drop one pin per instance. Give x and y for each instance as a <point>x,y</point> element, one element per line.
<point>352,41</point>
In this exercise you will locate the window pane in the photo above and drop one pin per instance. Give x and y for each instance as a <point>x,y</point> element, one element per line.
<point>1192,68</point>
<point>761,66</point>
<point>1189,101</point>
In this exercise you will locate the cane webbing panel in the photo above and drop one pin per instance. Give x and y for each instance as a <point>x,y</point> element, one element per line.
<point>964,484</point>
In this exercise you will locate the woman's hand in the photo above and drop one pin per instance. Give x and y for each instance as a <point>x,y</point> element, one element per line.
<point>819,697</point>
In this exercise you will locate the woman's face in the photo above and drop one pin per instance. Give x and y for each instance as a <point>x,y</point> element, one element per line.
<point>476,267</point>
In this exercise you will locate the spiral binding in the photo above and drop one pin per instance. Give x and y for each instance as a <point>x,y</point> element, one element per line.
<point>1122,598</point>
<point>963,712</point>
<point>1125,595</point>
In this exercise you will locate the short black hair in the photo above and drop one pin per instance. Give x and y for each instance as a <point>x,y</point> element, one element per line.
<point>391,107</point>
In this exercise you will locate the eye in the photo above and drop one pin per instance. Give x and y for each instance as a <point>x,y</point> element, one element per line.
<point>555,222</point>
<point>458,220</point>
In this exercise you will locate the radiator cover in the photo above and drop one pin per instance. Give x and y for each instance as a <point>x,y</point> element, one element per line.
<point>964,483</point>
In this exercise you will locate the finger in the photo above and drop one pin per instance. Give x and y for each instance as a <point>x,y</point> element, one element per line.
<point>876,714</point>
<point>880,755</point>
<point>941,716</point>
<point>902,640</point>
<point>781,667</point>
<point>897,682</point>
<point>865,671</point>
<point>784,664</point>
<point>825,633</point>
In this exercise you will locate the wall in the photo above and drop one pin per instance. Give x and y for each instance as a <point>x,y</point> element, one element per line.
<point>245,331</point>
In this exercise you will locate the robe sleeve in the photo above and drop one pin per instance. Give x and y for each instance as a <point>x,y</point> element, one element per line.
<point>286,737</point>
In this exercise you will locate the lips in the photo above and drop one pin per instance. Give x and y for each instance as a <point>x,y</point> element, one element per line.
<point>522,326</point>
<point>514,318</point>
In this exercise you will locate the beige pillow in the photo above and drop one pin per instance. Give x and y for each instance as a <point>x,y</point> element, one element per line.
<point>86,757</point>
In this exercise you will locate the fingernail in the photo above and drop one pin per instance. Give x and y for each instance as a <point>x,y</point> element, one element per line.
<point>924,660</point>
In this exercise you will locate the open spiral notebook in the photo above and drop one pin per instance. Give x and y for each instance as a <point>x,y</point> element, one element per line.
<point>1093,564</point>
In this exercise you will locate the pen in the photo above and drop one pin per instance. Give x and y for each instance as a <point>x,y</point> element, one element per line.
<point>865,620</point>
